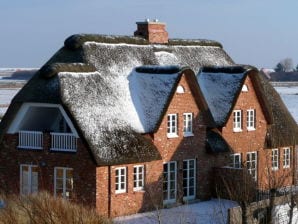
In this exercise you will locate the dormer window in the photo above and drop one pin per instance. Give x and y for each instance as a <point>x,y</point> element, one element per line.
<point>244,88</point>
<point>237,120</point>
<point>172,126</point>
<point>187,124</point>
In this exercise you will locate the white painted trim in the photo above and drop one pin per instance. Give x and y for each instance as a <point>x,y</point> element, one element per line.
<point>121,190</point>
<point>14,127</point>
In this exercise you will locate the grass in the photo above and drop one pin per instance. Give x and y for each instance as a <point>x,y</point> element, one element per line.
<point>44,208</point>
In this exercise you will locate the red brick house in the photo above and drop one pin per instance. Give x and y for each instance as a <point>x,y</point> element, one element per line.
<point>118,123</point>
<point>254,122</point>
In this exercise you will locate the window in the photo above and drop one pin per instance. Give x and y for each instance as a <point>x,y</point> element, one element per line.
<point>120,180</point>
<point>187,124</point>
<point>287,158</point>
<point>138,178</point>
<point>274,159</point>
<point>189,179</point>
<point>180,89</point>
<point>244,88</point>
<point>169,182</point>
<point>172,125</point>
<point>251,119</point>
<point>235,160</point>
<point>63,185</point>
<point>28,179</point>
<point>237,120</point>
<point>251,164</point>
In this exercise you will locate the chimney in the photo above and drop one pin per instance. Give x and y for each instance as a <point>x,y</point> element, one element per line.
<point>153,31</point>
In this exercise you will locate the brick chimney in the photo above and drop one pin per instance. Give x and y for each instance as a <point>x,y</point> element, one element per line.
<point>154,31</point>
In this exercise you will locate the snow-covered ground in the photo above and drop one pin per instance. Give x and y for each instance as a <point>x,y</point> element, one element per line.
<point>207,212</point>
<point>290,97</point>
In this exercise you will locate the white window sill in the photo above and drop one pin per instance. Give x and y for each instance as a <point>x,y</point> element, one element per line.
<point>174,135</point>
<point>251,129</point>
<point>141,189</point>
<point>120,191</point>
<point>274,168</point>
<point>286,167</point>
<point>237,130</point>
<point>188,134</point>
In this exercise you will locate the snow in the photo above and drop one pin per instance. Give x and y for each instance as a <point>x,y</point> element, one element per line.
<point>289,96</point>
<point>166,58</point>
<point>219,90</point>
<point>6,95</point>
<point>207,212</point>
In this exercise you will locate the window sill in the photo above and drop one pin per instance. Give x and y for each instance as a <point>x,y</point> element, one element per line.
<point>274,169</point>
<point>172,135</point>
<point>251,129</point>
<point>237,130</point>
<point>138,190</point>
<point>286,167</point>
<point>188,134</point>
<point>120,192</point>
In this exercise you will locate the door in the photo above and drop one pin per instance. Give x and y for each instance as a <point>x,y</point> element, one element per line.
<point>189,180</point>
<point>169,182</point>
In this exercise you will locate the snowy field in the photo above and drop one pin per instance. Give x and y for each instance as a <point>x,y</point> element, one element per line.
<point>290,97</point>
<point>207,212</point>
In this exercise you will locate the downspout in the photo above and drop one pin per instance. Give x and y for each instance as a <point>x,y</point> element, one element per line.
<point>109,191</point>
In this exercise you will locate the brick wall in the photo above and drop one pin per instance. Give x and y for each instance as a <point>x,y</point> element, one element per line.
<point>254,140</point>
<point>84,169</point>
<point>154,32</point>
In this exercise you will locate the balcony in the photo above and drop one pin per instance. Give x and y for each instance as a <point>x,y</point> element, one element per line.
<point>64,142</point>
<point>30,140</point>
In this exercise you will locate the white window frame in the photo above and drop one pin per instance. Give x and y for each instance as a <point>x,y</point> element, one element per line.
<point>237,120</point>
<point>187,124</point>
<point>252,164</point>
<point>188,179</point>
<point>275,159</point>
<point>172,126</point>
<point>235,160</point>
<point>64,178</point>
<point>119,182</point>
<point>251,119</point>
<point>30,180</point>
<point>287,158</point>
<point>168,180</point>
<point>138,177</point>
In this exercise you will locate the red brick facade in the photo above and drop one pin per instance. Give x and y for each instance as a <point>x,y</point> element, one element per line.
<point>95,186</point>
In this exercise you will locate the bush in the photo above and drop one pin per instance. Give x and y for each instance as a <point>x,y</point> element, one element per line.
<point>44,208</point>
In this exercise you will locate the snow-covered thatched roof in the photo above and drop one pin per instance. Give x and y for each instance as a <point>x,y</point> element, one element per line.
<point>221,87</point>
<point>111,99</point>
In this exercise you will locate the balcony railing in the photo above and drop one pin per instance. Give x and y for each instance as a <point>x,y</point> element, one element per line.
<point>66,142</point>
<point>30,140</point>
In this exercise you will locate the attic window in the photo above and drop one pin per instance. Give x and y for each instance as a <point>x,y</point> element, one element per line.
<point>180,89</point>
<point>244,88</point>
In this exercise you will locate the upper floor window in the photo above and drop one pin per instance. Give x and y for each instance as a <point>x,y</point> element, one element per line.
<point>28,179</point>
<point>274,159</point>
<point>63,182</point>
<point>244,88</point>
<point>180,89</point>
<point>172,125</point>
<point>287,158</point>
<point>187,124</point>
<point>120,180</point>
<point>235,160</point>
<point>237,120</point>
<point>250,122</point>
<point>138,178</point>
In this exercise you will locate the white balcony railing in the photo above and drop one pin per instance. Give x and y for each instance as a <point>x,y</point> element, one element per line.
<point>63,142</point>
<point>30,140</point>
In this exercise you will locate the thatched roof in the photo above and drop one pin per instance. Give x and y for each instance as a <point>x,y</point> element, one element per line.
<point>221,87</point>
<point>215,143</point>
<point>94,78</point>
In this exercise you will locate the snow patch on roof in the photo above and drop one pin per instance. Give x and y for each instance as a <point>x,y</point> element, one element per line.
<point>166,58</point>
<point>219,90</point>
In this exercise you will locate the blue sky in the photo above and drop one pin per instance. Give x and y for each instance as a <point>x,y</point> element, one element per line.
<point>256,32</point>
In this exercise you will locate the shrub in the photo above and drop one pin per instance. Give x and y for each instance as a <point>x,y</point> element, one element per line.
<point>44,208</point>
